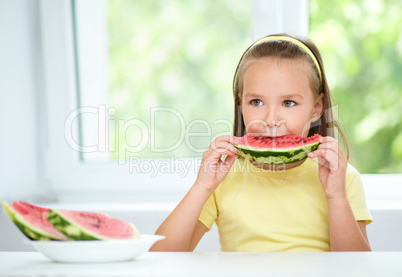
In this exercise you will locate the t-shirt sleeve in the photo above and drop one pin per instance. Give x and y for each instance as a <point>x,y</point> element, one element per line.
<point>355,193</point>
<point>209,212</point>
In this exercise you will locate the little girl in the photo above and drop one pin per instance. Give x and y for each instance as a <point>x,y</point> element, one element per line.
<point>316,204</point>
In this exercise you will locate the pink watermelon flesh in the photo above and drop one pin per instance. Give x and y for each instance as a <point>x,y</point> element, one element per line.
<point>100,224</point>
<point>282,142</point>
<point>37,217</point>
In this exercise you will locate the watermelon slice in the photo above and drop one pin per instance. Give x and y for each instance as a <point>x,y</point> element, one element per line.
<point>276,150</point>
<point>32,221</point>
<point>91,226</point>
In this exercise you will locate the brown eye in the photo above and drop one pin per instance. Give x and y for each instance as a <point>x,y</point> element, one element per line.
<point>256,102</point>
<point>288,103</point>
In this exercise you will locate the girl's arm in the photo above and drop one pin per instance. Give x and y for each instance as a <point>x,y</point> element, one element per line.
<point>181,225</point>
<point>346,234</point>
<point>182,228</point>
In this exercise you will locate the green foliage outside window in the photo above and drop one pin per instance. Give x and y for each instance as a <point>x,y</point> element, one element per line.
<point>361,44</point>
<point>182,55</point>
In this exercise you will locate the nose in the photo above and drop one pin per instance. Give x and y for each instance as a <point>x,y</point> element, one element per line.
<point>275,124</point>
<point>271,123</point>
<point>273,119</point>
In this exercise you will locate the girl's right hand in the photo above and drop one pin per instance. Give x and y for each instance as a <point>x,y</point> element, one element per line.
<point>213,169</point>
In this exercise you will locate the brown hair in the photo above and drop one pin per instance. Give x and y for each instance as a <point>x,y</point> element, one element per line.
<point>285,50</point>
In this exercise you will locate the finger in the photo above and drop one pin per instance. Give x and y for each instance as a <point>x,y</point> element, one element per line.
<point>223,145</point>
<point>319,151</point>
<point>331,147</point>
<point>217,154</point>
<point>229,138</point>
<point>333,160</point>
<point>328,143</point>
<point>338,160</point>
<point>228,150</point>
<point>328,159</point>
<point>320,154</point>
<point>323,162</point>
<point>327,139</point>
<point>314,154</point>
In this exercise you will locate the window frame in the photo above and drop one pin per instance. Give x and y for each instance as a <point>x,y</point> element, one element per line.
<point>67,177</point>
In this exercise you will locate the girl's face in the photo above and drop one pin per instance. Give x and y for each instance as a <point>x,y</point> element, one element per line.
<point>277,98</point>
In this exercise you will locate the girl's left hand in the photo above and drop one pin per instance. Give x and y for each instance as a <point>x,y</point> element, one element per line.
<point>332,167</point>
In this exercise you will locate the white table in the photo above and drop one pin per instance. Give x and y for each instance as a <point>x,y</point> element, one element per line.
<point>213,264</point>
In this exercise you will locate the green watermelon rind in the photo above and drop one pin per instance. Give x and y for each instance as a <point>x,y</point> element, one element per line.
<point>276,156</point>
<point>75,231</point>
<point>26,228</point>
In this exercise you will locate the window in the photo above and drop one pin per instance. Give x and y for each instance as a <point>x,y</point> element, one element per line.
<point>163,70</point>
<point>108,82</point>
<point>77,95</point>
<point>361,46</point>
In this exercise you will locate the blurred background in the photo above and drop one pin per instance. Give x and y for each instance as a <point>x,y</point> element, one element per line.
<point>362,50</point>
<point>182,54</point>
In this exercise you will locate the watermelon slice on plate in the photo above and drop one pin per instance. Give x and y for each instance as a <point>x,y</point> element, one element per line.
<point>91,226</point>
<point>276,150</point>
<point>32,221</point>
<point>39,223</point>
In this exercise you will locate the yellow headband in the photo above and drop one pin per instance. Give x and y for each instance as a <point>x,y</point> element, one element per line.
<point>294,41</point>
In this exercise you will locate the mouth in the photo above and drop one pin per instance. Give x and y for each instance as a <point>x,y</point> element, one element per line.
<point>269,133</point>
<point>266,136</point>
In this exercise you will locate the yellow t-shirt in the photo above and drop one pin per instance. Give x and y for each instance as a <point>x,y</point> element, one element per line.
<point>262,210</point>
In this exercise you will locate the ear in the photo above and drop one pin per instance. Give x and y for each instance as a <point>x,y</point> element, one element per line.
<point>318,108</point>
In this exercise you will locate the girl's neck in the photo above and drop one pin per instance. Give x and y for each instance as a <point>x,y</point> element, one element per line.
<point>278,167</point>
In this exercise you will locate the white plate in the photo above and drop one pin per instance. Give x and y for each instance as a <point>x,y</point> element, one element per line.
<point>95,251</point>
